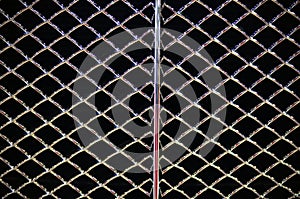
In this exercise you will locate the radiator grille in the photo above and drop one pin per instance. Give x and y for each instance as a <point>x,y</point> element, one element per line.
<point>253,46</point>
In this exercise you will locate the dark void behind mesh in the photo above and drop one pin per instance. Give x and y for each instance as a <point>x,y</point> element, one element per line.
<point>254,45</point>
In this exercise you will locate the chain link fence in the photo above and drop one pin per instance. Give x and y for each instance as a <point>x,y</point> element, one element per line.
<point>61,140</point>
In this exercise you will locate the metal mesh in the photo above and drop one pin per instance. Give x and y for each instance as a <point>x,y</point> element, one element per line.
<point>254,47</point>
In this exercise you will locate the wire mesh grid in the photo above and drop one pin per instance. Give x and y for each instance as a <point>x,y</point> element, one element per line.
<point>254,47</point>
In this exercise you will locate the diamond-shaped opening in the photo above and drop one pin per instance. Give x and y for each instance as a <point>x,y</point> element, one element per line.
<point>250,24</point>
<point>166,12</point>
<point>246,150</point>
<point>281,149</point>
<point>48,134</point>
<point>284,75</point>
<point>65,48</point>
<point>248,101</point>
<point>227,185</point>
<point>294,160</point>
<point>293,182</point>
<point>30,121</point>
<point>14,179</point>
<point>83,9</point>
<point>101,23</point>
<point>232,11</point>
<point>67,191</point>
<point>280,191</point>
<point>11,58</point>
<point>15,111</point>
<point>247,126</point>
<point>102,173</point>
<point>120,11</point>
<point>268,37</point>
<point>228,162</point>
<point>31,145</point>
<point>231,64</point>
<point>46,8</point>
<point>49,181</point>
<point>84,183</point>
<point>32,190</point>
<point>178,24</point>
<point>263,161</point>
<point>229,139</point>
<point>192,164</point>
<point>47,85</point>
<point>245,173</point>
<point>278,126</point>
<point>267,62</point>
<point>83,35</point>
<point>84,160</point>
<point>31,168</point>
<point>66,171</point>
<point>47,60</point>
<point>266,88</point>
<point>265,113</point>
<point>233,114</point>
<point>65,21</point>
<point>14,156</point>
<point>280,172</point>
<point>12,7</point>
<point>233,89</point>
<point>47,34</point>
<point>286,49</point>
<point>209,175</point>
<point>12,83</point>
<point>120,185</point>
<point>121,65</point>
<point>174,176</point>
<point>17,134</point>
<point>262,184</point>
<point>47,110</point>
<point>198,36</point>
<point>120,138</point>
<point>61,97</point>
<point>249,50</point>
<point>195,7</point>
<point>29,20</point>
<point>11,32</point>
<point>29,71</point>
<point>283,100</point>
<point>286,28</point>
<point>48,158</point>
<point>191,187</point>
<point>269,10</point>
<point>248,76</point>
<point>30,96</point>
<point>231,38</point>
<point>65,123</point>
<point>213,25</point>
<point>65,73</point>
<point>137,21</point>
<point>66,147</point>
<point>215,50</point>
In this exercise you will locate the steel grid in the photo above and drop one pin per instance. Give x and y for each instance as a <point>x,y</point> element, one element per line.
<point>256,154</point>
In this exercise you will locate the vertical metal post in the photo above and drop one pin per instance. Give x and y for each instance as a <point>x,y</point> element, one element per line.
<point>156,100</point>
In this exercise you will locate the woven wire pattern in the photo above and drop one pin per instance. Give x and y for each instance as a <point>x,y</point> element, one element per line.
<point>43,44</point>
<point>257,153</point>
